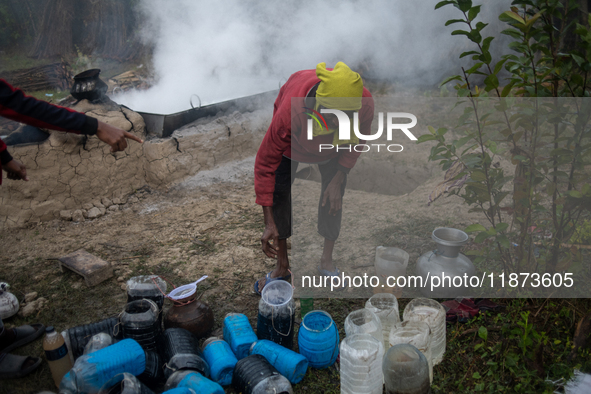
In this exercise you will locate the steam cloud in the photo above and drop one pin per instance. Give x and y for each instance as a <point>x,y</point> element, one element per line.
<point>221,50</point>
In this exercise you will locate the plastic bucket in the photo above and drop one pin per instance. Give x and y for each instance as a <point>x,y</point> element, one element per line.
<point>277,313</point>
<point>318,339</point>
<point>290,364</point>
<point>139,321</point>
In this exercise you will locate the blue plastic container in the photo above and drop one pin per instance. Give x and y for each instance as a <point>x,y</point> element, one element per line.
<point>180,390</point>
<point>200,384</point>
<point>92,371</point>
<point>318,339</point>
<point>221,360</point>
<point>239,334</point>
<point>290,364</point>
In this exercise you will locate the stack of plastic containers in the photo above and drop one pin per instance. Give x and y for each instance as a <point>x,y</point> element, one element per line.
<point>361,364</point>
<point>414,333</point>
<point>364,321</point>
<point>406,371</point>
<point>385,306</point>
<point>432,313</point>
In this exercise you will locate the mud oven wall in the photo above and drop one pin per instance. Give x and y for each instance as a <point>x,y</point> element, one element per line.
<point>71,173</point>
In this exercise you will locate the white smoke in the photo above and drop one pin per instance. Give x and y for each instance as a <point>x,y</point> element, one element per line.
<point>221,50</point>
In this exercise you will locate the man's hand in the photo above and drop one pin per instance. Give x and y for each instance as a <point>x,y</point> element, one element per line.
<point>15,170</point>
<point>114,136</point>
<point>270,233</point>
<point>333,194</point>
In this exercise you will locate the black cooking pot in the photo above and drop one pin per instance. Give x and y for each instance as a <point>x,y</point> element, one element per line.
<point>88,85</point>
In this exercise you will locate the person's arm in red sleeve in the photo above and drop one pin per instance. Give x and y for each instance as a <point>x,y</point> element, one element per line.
<point>16,105</point>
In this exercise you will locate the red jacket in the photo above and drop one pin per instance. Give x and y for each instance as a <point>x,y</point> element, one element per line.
<point>15,105</point>
<point>280,140</point>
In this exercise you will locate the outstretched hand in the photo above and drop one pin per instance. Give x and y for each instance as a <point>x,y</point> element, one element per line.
<point>114,136</point>
<point>15,170</point>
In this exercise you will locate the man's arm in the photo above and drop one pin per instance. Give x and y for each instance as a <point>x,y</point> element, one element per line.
<point>15,105</point>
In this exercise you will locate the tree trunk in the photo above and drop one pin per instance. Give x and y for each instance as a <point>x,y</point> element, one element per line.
<point>54,38</point>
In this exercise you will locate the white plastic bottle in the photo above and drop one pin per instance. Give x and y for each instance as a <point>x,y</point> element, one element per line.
<point>56,353</point>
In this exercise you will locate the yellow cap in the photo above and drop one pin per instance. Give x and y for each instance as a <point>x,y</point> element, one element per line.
<point>340,82</point>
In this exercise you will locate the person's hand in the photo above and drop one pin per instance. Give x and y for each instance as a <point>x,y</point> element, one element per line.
<point>333,194</point>
<point>269,234</point>
<point>15,170</point>
<point>114,136</point>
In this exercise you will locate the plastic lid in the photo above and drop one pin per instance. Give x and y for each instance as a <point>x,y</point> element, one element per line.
<point>49,329</point>
<point>277,293</point>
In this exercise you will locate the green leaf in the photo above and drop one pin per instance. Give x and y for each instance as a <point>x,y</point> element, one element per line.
<point>486,43</point>
<point>478,176</point>
<point>503,241</point>
<point>443,3</point>
<point>498,66</point>
<point>475,227</point>
<point>425,138</point>
<point>575,194</point>
<point>491,82</point>
<point>481,237</point>
<point>507,89</point>
<point>483,333</point>
<point>454,78</point>
<point>473,12</point>
<point>464,5</point>
<point>460,32</point>
<point>452,21</point>
<point>508,16</point>
<point>502,226</point>
<point>469,53</point>
<point>476,375</point>
<point>475,67</point>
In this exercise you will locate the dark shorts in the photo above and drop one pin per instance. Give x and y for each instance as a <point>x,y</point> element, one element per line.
<point>329,226</point>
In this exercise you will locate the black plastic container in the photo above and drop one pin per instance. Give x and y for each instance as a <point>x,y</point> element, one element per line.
<point>254,375</point>
<point>139,321</point>
<point>180,351</point>
<point>78,337</point>
<point>153,375</point>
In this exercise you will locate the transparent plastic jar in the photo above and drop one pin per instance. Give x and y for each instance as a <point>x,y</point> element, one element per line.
<point>385,306</point>
<point>414,333</point>
<point>364,321</point>
<point>361,364</point>
<point>432,313</point>
<point>406,370</point>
